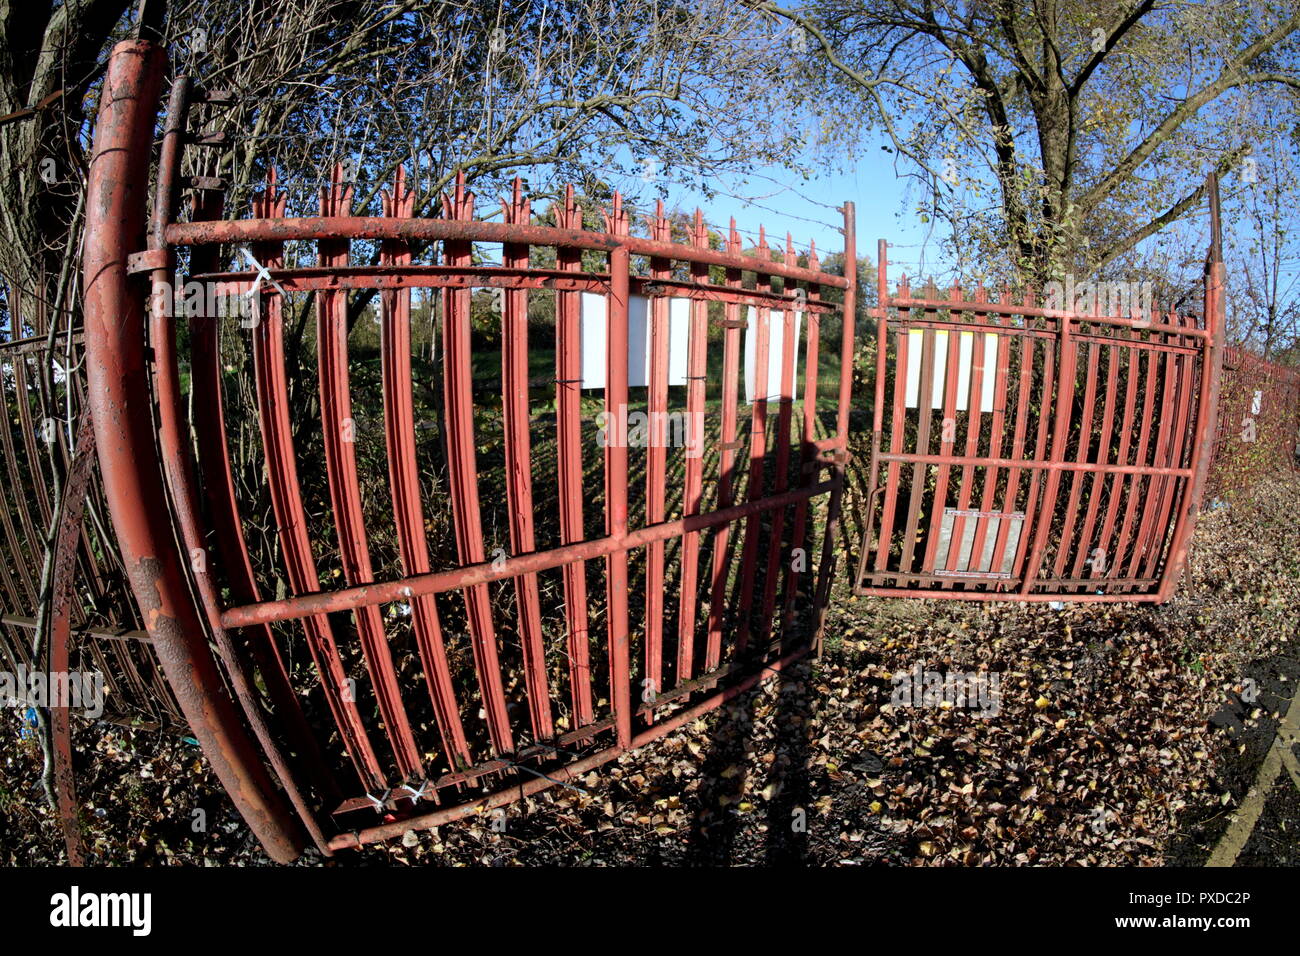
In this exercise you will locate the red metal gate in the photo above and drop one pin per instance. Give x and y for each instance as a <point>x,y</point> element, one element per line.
<point>563,652</point>
<point>1031,453</point>
<point>1023,452</point>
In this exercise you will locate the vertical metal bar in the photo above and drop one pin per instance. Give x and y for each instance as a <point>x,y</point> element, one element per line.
<point>87,555</point>
<point>1117,481</point>
<point>1207,410</point>
<point>925,413</point>
<point>1077,476</point>
<point>1132,506</point>
<point>568,424</point>
<point>462,465</point>
<point>1172,486</point>
<point>36,484</point>
<point>616,361</point>
<point>345,490</point>
<point>176,453</point>
<point>1012,494</point>
<point>20,503</point>
<point>974,424</point>
<point>286,497</point>
<point>1083,552</point>
<point>947,438</point>
<point>692,494</point>
<point>726,459</point>
<point>519,479</point>
<point>35,460</point>
<point>850,329</point>
<point>997,425</point>
<point>656,460</point>
<point>1168,398</point>
<point>120,402</point>
<point>808,466</point>
<point>776,566</point>
<point>897,427</point>
<point>1069,359</point>
<point>67,538</point>
<point>878,415</point>
<point>1042,432</point>
<point>1152,530</point>
<point>847,334</point>
<point>213,458</point>
<point>404,480</point>
<point>12,594</point>
<point>757,451</point>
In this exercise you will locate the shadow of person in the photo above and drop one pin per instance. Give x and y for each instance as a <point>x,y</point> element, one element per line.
<point>788,794</point>
<point>723,835</point>
<point>714,828</point>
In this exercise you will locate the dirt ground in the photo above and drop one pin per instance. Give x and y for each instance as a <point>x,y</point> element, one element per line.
<point>1122,735</point>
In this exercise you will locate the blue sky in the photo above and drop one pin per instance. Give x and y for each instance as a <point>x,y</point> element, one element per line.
<point>781,200</point>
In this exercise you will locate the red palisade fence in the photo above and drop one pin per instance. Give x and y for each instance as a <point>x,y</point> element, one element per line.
<point>512,580</point>
<point>464,612</point>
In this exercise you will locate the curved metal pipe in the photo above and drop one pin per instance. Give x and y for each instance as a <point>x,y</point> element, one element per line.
<point>120,399</point>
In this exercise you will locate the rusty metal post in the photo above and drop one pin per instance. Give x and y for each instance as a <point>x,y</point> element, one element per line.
<point>826,566</point>
<point>727,447</point>
<point>656,467</point>
<point>462,466</point>
<point>878,418</point>
<point>120,402</point>
<point>693,489</point>
<point>179,466</point>
<point>337,427</point>
<point>1207,413</point>
<point>616,376</point>
<point>75,490</point>
<point>404,480</point>
<point>568,424</point>
<point>515,411</point>
<point>761,330</point>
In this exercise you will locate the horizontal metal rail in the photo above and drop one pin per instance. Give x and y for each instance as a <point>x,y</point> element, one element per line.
<point>1034,464</point>
<point>374,227</point>
<point>437,582</point>
<point>1029,311</point>
<point>451,277</point>
<point>562,775</point>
